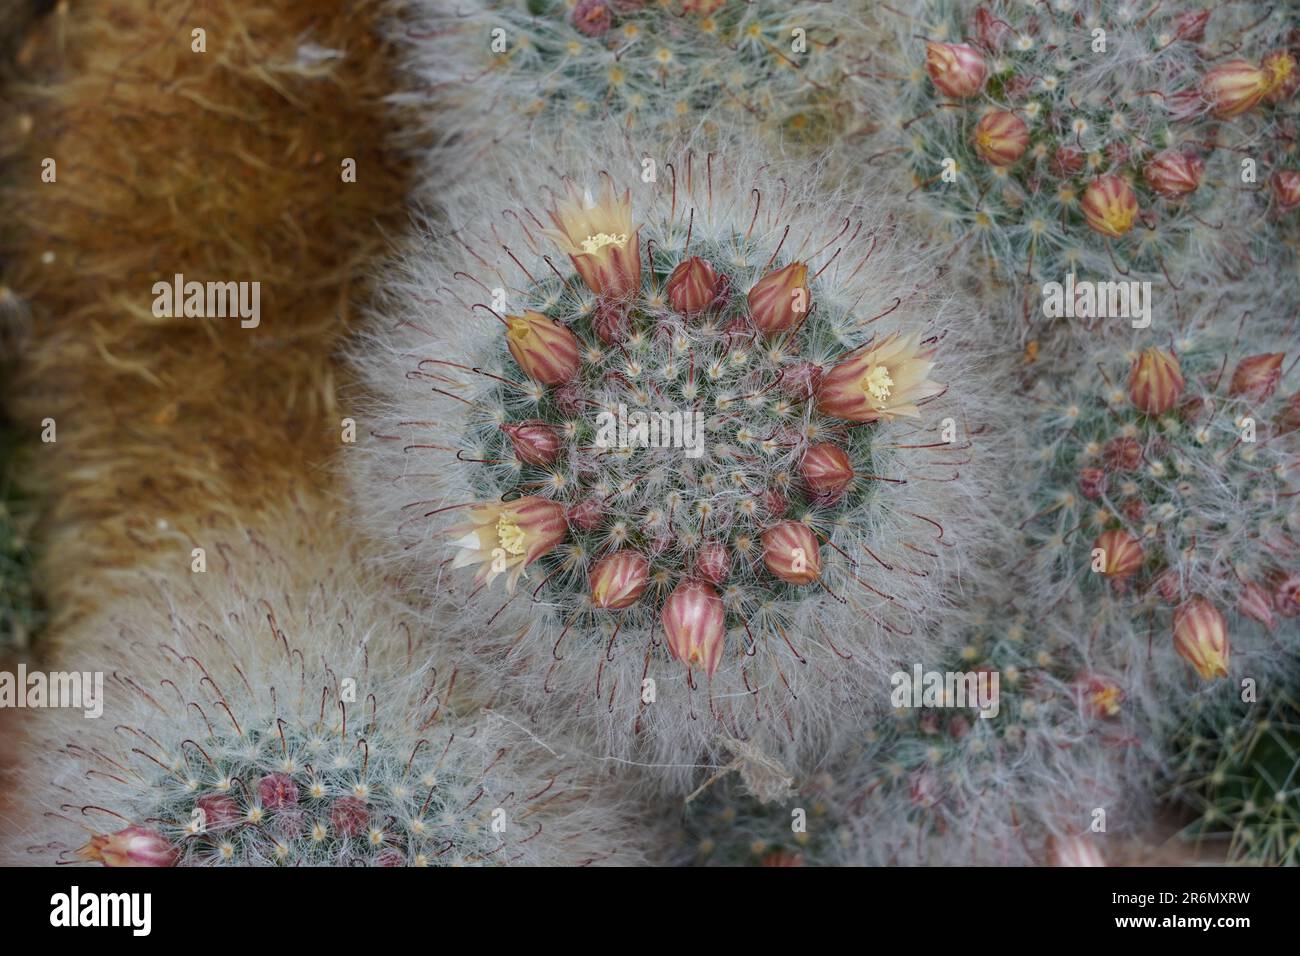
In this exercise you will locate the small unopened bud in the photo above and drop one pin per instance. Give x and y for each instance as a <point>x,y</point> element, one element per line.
<point>1066,162</point>
<point>592,17</point>
<point>545,350</point>
<point>1123,555</point>
<point>1234,87</point>
<point>693,287</point>
<point>586,515</point>
<point>1092,483</point>
<point>1156,382</point>
<point>535,442</point>
<point>956,69</point>
<point>1122,454</point>
<point>1256,376</point>
<point>349,816</point>
<point>791,552</point>
<point>1109,205</point>
<point>694,623</point>
<point>774,503</point>
<point>1257,604</point>
<point>1201,638</point>
<point>133,846</point>
<point>1190,26</point>
<point>277,790</point>
<point>780,300</point>
<point>1001,138</point>
<point>1174,174</point>
<point>618,580</point>
<point>713,563</point>
<point>826,471</point>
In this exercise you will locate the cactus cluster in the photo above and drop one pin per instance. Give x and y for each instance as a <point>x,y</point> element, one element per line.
<point>503,71</point>
<point>262,714</point>
<point>1234,768</point>
<point>1163,504</point>
<point>810,529</point>
<point>1096,138</point>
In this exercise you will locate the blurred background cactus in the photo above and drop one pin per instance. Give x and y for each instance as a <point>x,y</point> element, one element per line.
<point>502,72</point>
<point>1236,770</point>
<point>1099,138</point>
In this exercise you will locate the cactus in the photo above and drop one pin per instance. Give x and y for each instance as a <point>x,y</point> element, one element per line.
<point>834,493</point>
<point>1093,138</point>
<point>1235,768</point>
<point>1161,509</point>
<point>506,71</point>
<point>278,710</point>
<point>727,826</point>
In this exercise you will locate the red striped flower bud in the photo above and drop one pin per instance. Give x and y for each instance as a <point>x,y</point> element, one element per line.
<point>827,471</point>
<point>535,442</point>
<point>545,350</point>
<point>1283,76</point>
<point>618,580</point>
<point>1001,138</point>
<point>1155,382</point>
<point>1173,174</point>
<point>133,846</point>
<point>1109,205</point>
<point>1201,638</point>
<point>781,299</point>
<point>692,287</point>
<point>956,69</point>
<point>1257,604</point>
<point>1234,87</point>
<point>694,622</point>
<point>713,563</point>
<point>1121,556</point>
<point>791,552</point>
<point>1256,376</point>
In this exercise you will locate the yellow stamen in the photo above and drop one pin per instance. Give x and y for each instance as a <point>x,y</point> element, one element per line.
<point>877,383</point>
<point>599,241</point>
<point>511,536</point>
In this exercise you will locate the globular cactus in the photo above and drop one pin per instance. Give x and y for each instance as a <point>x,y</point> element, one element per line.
<point>1235,768</point>
<point>1105,139</point>
<point>1161,510</point>
<point>277,709</point>
<point>1016,778</point>
<point>800,530</point>
<point>727,826</point>
<point>502,72</point>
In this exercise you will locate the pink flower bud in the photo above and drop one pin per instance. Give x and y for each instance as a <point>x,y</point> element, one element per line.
<point>1169,586</point>
<point>1286,188</point>
<point>993,31</point>
<point>611,321</point>
<point>1092,483</point>
<point>1190,26</point>
<point>1286,596</point>
<point>1001,138</point>
<point>826,471</point>
<point>1066,162</point>
<point>349,816</point>
<point>1173,174</point>
<point>1201,638</point>
<point>800,380</point>
<point>956,69</point>
<point>791,552</point>
<point>1257,604</point>
<point>545,350</point>
<point>568,398</point>
<point>774,503</point>
<point>1156,382</point>
<point>1122,454</point>
<point>1234,87</point>
<point>219,810</point>
<point>586,515</point>
<point>780,300</point>
<point>1122,556</point>
<point>694,622</point>
<point>618,580</point>
<point>1283,76</point>
<point>535,442</point>
<point>1288,419</point>
<point>713,563</point>
<point>592,17</point>
<point>692,287</point>
<point>277,790</point>
<point>1109,205</point>
<point>133,846</point>
<point>1256,376</point>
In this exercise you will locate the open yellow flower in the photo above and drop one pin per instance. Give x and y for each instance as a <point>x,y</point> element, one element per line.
<point>598,236</point>
<point>885,381</point>
<point>506,537</point>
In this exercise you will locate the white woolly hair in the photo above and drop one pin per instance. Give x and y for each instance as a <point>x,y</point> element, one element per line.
<point>286,668</point>
<point>798,664</point>
<point>494,76</point>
